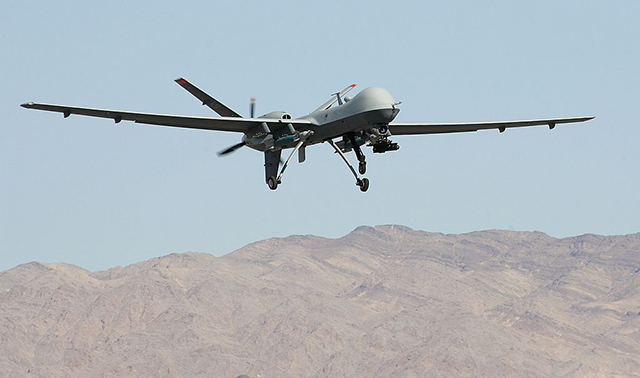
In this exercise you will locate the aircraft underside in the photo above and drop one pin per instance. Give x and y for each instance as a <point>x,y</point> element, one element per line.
<point>369,128</point>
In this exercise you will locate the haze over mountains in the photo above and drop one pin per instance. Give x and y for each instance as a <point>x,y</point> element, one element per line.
<point>380,302</point>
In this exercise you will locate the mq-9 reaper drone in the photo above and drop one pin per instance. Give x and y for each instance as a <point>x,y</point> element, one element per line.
<point>365,119</point>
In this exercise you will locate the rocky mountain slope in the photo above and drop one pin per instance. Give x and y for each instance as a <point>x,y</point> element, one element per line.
<point>380,302</point>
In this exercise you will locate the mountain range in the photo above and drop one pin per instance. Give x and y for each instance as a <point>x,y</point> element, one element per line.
<point>384,301</point>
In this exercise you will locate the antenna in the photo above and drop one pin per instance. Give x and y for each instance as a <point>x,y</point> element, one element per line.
<point>337,94</point>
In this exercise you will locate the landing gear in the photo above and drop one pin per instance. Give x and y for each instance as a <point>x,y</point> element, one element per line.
<point>272,182</point>
<point>271,166</point>
<point>363,183</point>
<point>272,160</point>
<point>286,164</point>
<point>362,165</point>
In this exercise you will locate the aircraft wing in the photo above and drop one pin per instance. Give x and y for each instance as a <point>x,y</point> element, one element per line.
<point>232,124</point>
<point>439,128</point>
<point>207,100</point>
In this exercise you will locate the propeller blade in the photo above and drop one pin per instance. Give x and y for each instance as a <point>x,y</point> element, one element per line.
<point>253,106</point>
<point>232,148</point>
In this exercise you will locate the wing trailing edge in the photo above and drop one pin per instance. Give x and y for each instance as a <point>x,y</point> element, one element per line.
<point>231,124</point>
<point>453,127</point>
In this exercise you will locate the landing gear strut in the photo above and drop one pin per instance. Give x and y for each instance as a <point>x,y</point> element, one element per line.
<point>272,159</point>
<point>363,183</point>
<point>286,163</point>
<point>271,166</point>
<point>362,163</point>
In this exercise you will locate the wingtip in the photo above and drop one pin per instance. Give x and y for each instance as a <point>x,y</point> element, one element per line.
<point>181,80</point>
<point>27,105</point>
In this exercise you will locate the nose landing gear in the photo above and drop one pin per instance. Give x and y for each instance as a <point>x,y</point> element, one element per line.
<point>362,183</point>
<point>362,167</point>
<point>362,163</point>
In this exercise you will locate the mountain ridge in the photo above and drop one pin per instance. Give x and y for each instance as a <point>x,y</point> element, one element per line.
<point>379,301</point>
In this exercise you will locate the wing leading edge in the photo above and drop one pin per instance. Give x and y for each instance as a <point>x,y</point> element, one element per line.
<point>440,128</point>
<point>231,124</point>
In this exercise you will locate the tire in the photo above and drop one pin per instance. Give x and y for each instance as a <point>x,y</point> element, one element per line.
<point>362,167</point>
<point>272,182</point>
<point>365,185</point>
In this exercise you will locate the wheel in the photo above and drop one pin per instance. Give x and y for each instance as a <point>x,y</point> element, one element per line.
<point>364,185</point>
<point>272,182</point>
<point>362,167</point>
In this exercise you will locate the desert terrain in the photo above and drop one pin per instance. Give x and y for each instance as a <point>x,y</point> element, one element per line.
<point>384,301</point>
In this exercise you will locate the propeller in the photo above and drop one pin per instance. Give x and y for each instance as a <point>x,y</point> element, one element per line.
<point>252,106</point>
<point>252,109</point>
<point>232,148</point>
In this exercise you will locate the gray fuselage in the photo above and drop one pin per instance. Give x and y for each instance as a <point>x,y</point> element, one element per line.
<point>371,107</point>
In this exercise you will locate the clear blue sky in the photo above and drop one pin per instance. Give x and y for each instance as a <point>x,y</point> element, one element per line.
<point>96,194</point>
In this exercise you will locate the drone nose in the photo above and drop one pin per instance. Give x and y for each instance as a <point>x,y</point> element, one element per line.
<point>394,111</point>
<point>383,116</point>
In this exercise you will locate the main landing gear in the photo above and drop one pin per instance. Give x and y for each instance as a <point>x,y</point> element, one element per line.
<point>272,182</point>
<point>273,158</point>
<point>274,173</point>
<point>363,182</point>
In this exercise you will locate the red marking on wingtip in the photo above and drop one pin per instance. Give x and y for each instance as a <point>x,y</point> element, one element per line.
<point>353,85</point>
<point>182,81</point>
